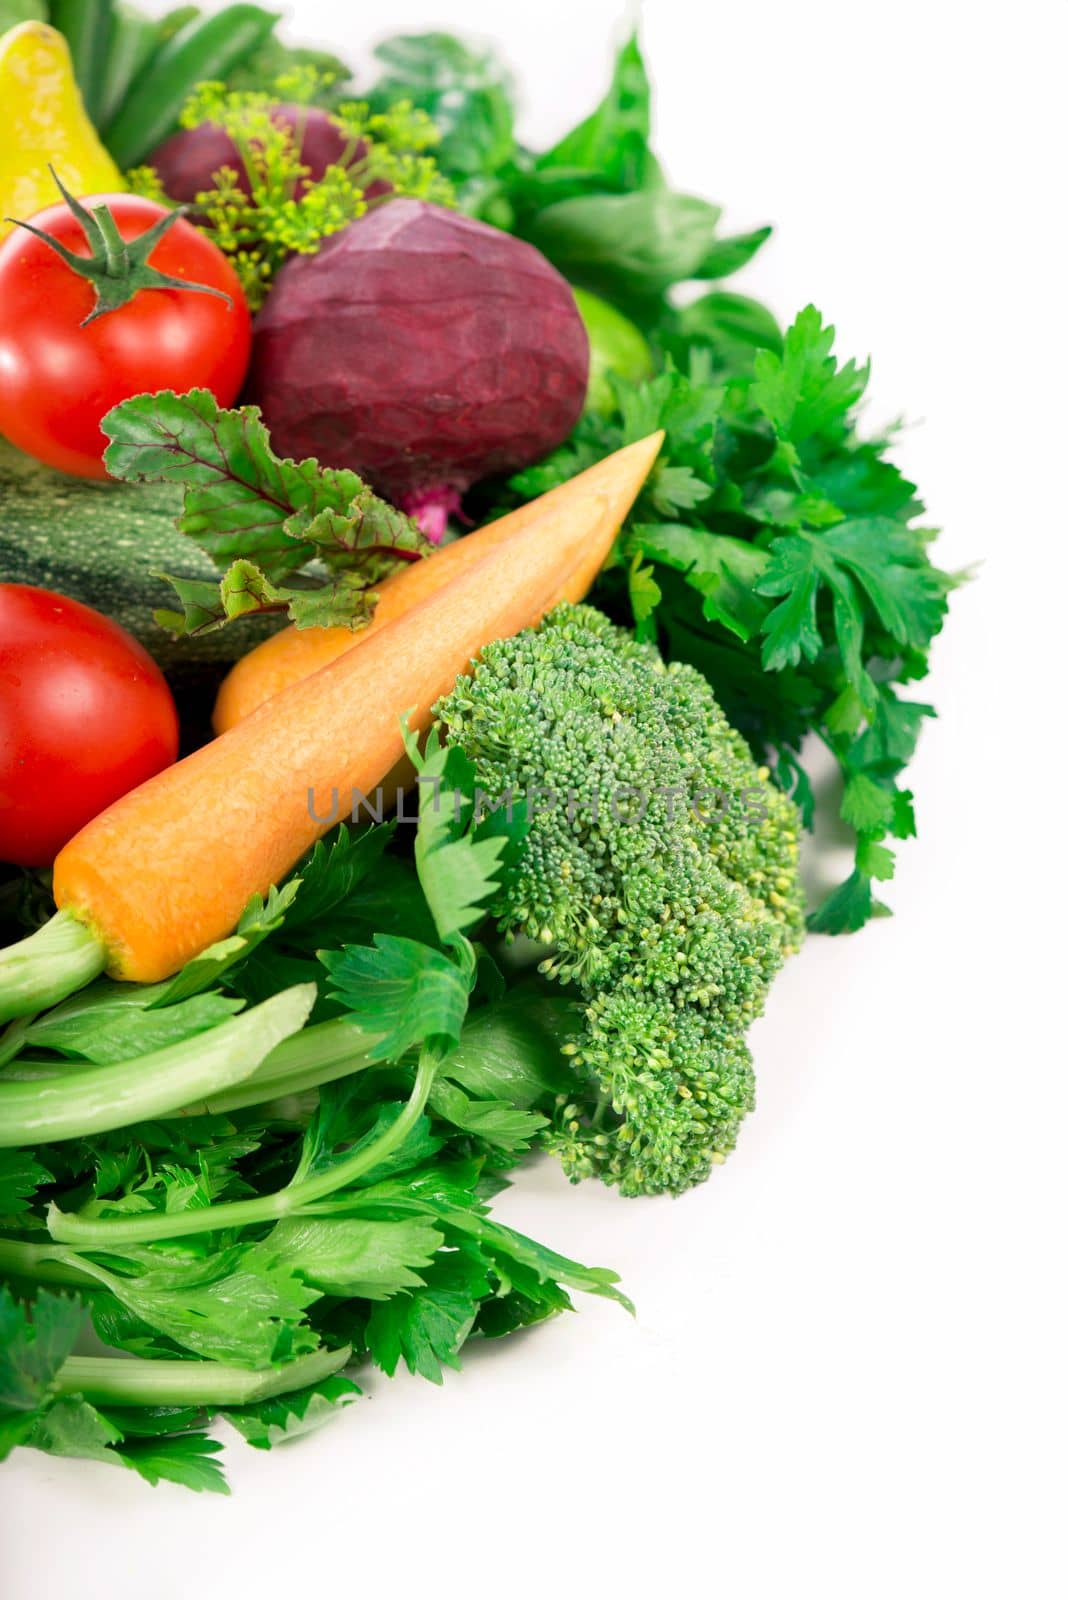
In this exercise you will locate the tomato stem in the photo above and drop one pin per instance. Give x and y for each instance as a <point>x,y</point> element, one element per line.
<point>117,268</point>
<point>116,257</point>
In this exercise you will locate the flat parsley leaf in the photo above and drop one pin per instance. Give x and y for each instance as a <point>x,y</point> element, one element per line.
<point>328,879</point>
<point>116,1022</point>
<point>345,1123</point>
<point>846,908</point>
<point>238,1304</point>
<point>496,1122</point>
<point>34,1343</point>
<point>287,1416</point>
<point>459,854</point>
<point>354,1257</point>
<point>511,1251</point>
<point>866,559</point>
<point>723,570</point>
<point>183,1458</point>
<point>427,1327</point>
<point>803,391</point>
<point>21,1175</point>
<point>408,992</point>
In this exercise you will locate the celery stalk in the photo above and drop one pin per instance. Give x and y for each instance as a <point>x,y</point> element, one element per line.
<point>130,1381</point>
<point>101,1098</point>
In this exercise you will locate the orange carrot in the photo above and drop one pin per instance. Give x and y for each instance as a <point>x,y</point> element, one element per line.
<point>295,652</point>
<point>167,869</point>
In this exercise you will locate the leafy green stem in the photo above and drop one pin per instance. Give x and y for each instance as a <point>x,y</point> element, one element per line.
<point>319,1054</point>
<point>11,1039</point>
<point>100,1232</point>
<point>42,1263</point>
<point>108,1380</point>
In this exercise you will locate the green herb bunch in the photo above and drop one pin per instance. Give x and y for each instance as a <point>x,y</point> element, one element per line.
<point>279,1162</point>
<point>778,551</point>
<point>269,210</point>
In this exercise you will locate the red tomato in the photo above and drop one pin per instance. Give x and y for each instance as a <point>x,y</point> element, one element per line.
<point>57,379</point>
<point>85,715</point>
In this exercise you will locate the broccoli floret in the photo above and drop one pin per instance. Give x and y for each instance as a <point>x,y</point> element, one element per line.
<point>661,871</point>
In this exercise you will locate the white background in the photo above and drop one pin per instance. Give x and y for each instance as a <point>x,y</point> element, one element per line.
<point>846,1376</point>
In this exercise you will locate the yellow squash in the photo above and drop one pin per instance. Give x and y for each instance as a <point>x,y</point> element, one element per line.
<point>44,121</point>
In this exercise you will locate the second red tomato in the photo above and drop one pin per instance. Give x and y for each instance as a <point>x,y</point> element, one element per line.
<point>58,377</point>
<point>85,715</point>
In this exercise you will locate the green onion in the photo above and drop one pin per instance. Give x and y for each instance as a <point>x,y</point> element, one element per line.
<point>205,49</point>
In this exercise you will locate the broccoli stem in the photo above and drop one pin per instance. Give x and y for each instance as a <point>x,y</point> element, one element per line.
<point>50,964</point>
<point>101,1098</point>
<point>99,1233</point>
<point>125,1381</point>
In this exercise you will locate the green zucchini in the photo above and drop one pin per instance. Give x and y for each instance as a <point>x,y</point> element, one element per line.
<point>103,543</point>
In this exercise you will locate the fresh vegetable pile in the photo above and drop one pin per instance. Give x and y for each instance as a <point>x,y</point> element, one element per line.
<point>277,1201</point>
<point>558,555</point>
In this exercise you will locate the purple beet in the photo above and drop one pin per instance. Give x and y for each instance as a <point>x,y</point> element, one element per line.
<point>423,349</point>
<point>188,160</point>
